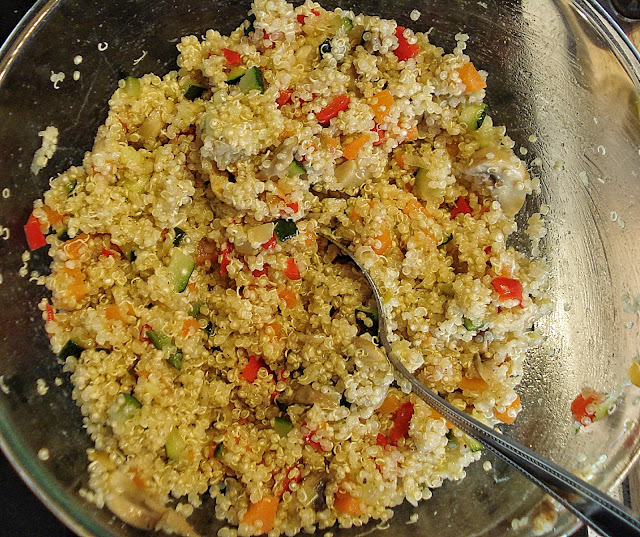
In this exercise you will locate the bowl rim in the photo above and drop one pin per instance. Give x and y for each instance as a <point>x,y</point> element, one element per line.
<point>65,505</point>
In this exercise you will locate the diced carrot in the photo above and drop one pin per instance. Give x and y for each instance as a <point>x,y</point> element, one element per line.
<point>262,514</point>
<point>473,384</point>
<point>347,504</point>
<point>332,143</point>
<point>437,416</point>
<point>233,58</point>
<point>289,298</point>
<point>390,405</point>
<point>51,316</point>
<point>113,313</point>
<point>381,103</point>
<point>53,217</point>
<point>470,77</point>
<point>277,329</point>
<point>350,151</point>
<point>310,237</point>
<point>33,232</point>
<point>382,241</point>
<point>189,325</point>
<point>401,422</point>
<point>400,160</point>
<point>353,215</point>
<point>412,134</point>
<point>505,416</point>
<point>287,132</point>
<point>206,250</point>
<point>77,287</point>
<point>413,207</point>
<point>73,247</point>
<point>291,269</point>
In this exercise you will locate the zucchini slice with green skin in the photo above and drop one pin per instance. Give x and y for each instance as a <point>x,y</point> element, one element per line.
<point>179,235</point>
<point>174,445</point>
<point>194,92</point>
<point>220,451</point>
<point>447,240</point>
<point>252,80</point>
<point>473,116</point>
<point>421,186</point>
<point>282,426</point>
<point>128,405</point>
<point>472,444</point>
<point>285,229</point>
<point>160,340</point>
<point>296,168</point>
<point>340,22</point>
<point>362,315</point>
<point>132,86</point>
<point>195,308</point>
<point>175,359</point>
<point>71,348</point>
<point>235,75</point>
<point>471,325</point>
<point>180,269</point>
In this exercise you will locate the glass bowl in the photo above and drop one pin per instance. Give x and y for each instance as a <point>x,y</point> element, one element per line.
<point>561,77</point>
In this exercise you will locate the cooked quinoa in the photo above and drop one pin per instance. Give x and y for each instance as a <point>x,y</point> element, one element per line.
<point>219,345</point>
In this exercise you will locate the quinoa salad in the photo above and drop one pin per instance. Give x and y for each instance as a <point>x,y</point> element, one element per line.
<point>219,346</point>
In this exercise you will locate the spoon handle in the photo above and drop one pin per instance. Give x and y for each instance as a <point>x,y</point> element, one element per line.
<point>590,505</point>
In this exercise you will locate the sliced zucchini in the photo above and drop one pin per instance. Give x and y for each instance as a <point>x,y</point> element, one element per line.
<point>340,22</point>
<point>473,116</point>
<point>195,308</point>
<point>64,235</point>
<point>296,168</point>
<point>366,317</point>
<point>282,426</point>
<point>194,92</point>
<point>174,445</point>
<point>446,240</point>
<point>220,451</point>
<point>472,444</point>
<point>235,75</point>
<point>71,348</point>
<point>128,405</point>
<point>160,340</point>
<point>128,252</point>
<point>325,47</point>
<point>422,189</point>
<point>252,80</point>
<point>175,359</point>
<point>136,183</point>
<point>285,229</point>
<point>447,290</point>
<point>180,269</point>
<point>179,234</point>
<point>471,325</point>
<point>132,86</point>
<point>70,186</point>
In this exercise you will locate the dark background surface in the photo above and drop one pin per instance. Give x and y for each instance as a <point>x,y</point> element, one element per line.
<point>21,513</point>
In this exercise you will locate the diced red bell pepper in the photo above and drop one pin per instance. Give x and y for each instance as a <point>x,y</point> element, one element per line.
<point>143,333</point>
<point>35,237</point>
<point>401,422</point>
<point>579,408</point>
<point>288,480</point>
<point>233,58</point>
<point>291,269</point>
<point>50,313</point>
<point>302,17</point>
<point>462,207</point>
<point>307,440</point>
<point>338,104</point>
<point>250,371</point>
<point>224,258</point>
<point>508,288</point>
<point>258,273</point>
<point>107,253</point>
<point>381,134</point>
<point>271,243</point>
<point>293,206</point>
<point>284,97</point>
<point>381,440</point>
<point>404,51</point>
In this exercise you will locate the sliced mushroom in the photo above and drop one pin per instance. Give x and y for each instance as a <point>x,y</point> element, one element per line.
<point>374,354</point>
<point>304,394</point>
<point>280,158</point>
<point>315,485</point>
<point>136,507</point>
<point>347,175</point>
<point>504,174</point>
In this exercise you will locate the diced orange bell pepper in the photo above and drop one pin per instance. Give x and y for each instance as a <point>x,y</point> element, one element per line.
<point>471,78</point>
<point>516,406</point>
<point>262,514</point>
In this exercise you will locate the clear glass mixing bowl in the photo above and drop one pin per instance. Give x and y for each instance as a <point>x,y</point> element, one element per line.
<point>562,79</point>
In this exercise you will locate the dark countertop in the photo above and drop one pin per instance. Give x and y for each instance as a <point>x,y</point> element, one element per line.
<point>24,515</point>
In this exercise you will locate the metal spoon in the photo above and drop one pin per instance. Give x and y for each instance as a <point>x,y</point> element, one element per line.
<point>590,505</point>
